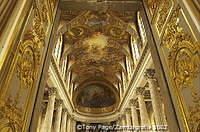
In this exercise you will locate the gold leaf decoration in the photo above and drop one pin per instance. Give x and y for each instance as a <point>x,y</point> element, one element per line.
<point>184,64</point>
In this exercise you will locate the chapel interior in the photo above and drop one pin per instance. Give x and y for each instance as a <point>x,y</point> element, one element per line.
<point>99,66</point>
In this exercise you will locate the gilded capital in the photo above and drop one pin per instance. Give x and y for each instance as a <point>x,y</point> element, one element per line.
<point>140,90</point>
<point>128,110</point>
<point>64,110</point>
<point>149,74</point>
<point>52,91</point>
<point>133,102</point>
<point>59,102</point>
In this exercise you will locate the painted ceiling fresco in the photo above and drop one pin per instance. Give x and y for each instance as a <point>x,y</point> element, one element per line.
<point>96,44</point>
<point>96,41</point>
<point>96,96</point>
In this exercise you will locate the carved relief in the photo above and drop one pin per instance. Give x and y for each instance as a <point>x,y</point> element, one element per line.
<point>14,108</point>
<point>152,5</point>
<point>45,12</point>
<point>194,115</point>
<point>184,64</point>
<point>163,12</point>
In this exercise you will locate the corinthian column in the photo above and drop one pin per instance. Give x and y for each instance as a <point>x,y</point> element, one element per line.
<point>64,120</point>
<point>58,115</point>
<point>49,112</point>
<point>69,124</point>
<point>134,114</point>
<point>128,119</point>
<point>156,104</point>
<point>143,110</point>
<point>123,122</point>
<point>73,125</point>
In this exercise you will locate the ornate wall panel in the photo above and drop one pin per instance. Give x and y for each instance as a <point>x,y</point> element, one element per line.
<point>162,14</point>
<point>182,52</point>
<point>152,5</point>
<point>17,94</point>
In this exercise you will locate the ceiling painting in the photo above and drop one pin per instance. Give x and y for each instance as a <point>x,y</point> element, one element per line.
<point>96,96</point>
<point>97,50</point>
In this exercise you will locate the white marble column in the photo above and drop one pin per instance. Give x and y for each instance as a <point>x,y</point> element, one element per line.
<point>73,125</point>
<point>123,122</point>
<point>41,117</point>
<point>118,123</point>
<point>58,115</point>
<point>153,86</point>
<point>128,119</point>
<point>64,120</point>
<point>49,112</point>
<point>69,124</point>
<point>143,110</point>
<point>134,115</point>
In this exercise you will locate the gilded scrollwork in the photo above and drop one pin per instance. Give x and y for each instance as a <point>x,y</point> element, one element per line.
<point>194,116</point>
<point>163,12</point>
<point>152,5</point>
<point>45,12</point>
<point>26,63</point>
<point>184,64</point>
<point>174,33</point>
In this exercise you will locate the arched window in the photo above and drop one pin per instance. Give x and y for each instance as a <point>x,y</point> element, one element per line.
<point>141,28</point>
<point>58,47</point>
<point>135,49</point>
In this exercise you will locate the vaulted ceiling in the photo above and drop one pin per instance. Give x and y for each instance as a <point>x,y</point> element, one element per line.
<point>97,42</point>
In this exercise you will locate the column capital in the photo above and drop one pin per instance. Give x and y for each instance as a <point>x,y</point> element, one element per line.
<point>119,118</point>
<point>140,90</point>
<point>59,103</point>
<point>52,91</point>
<point>127,110</point>
<point>123,116</point>
<point>149,74</point>
<point>133,102</point>
<point>64,110</point>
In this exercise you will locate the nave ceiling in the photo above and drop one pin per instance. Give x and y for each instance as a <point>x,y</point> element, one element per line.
<point>96,44</point>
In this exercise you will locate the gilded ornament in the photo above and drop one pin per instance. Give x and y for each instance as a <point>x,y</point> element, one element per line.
<point>184,64</point>
<point>152,5</point>
<point>163,12</point>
